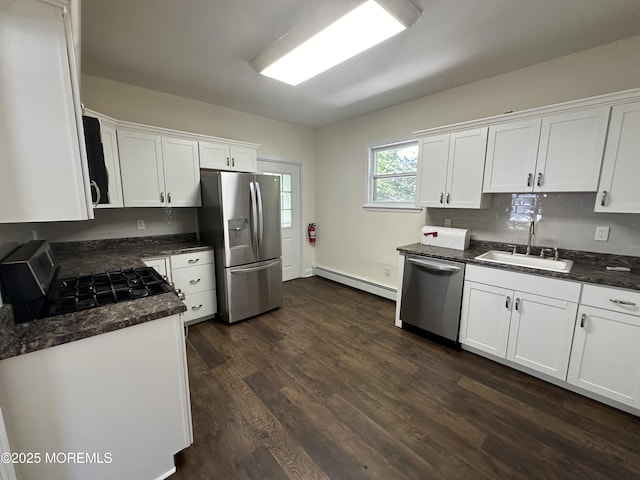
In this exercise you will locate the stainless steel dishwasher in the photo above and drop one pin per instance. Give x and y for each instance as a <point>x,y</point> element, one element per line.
<point>432,296</point>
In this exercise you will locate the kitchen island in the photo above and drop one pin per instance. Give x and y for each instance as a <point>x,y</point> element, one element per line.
<point>101,393</point>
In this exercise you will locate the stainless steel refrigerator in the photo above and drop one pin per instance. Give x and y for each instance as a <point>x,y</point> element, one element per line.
<point>240,218</point>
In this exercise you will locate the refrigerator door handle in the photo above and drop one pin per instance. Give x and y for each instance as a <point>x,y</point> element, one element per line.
<point>254,213</point>
<point>260,215</point>
<point>265,266</point>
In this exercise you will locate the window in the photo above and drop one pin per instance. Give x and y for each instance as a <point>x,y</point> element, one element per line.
<point>285,198</point>
<point>392,175</point>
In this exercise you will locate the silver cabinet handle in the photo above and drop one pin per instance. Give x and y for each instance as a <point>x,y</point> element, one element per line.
<point>193,282</point>
<point>441,197</point>
<point>622,302</point>
<point>507,303</point>
<point>539,181</point>
<point>529,178</point>
<point>604,198</point>
<point>98,195</point>
<point>161,197</point>
<point>168,197</point>
<point>228,161</point>
<point>582,319</point>
<point>447,198</point>
<point>193,260</point>
<point>233,161</point>
<point>517,305</point>
<point>196,307</point>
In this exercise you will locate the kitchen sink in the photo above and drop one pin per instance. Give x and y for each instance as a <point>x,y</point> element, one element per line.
<point>520,260</point>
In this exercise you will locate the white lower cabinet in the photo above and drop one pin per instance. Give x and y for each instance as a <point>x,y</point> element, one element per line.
<point>524,318</point>
<point>605,358</point>
<point>119,399</point>
<point>194,275</point>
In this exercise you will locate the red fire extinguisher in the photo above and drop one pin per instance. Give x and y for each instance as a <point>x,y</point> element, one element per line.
<point>312,233</point>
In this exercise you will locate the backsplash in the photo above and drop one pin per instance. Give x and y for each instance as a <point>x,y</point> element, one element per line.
<point>565,220</point>
<point>109,223</point>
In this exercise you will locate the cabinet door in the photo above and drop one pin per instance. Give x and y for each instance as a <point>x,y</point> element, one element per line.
<point>141,168</point>
<point>432,171</point>
<point>214,155</point>
<point>243,159</point>
<point>43,170</point>
<point>512,149</point>
<point>570,152</point>
<point>541,332</point>
<point>159,265</point>
<point>466,168</point>
<point>485,318</point>
<point>618,191</point>
<point>181,172</point>
<point>112,162</point>
<point>605,358</point>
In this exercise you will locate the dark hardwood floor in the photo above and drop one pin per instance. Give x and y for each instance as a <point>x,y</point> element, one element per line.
<point>327,387</point>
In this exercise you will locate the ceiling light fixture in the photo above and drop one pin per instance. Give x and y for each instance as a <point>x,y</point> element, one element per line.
<point>305,52</point>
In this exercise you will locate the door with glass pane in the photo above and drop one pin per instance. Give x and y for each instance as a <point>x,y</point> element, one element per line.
<point>290,200</point>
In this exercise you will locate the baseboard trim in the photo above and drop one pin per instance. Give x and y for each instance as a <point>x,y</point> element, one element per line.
<point>360,284</point>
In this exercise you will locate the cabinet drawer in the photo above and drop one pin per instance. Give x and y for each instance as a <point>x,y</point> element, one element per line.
<point>194,279</point>
<point>200,305</point>
<point>191,259</point>
<point>615,299</point>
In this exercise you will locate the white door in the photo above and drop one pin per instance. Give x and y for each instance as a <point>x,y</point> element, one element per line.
<point>466,168</point>
<point>290,202</point>
<point>432,171</point>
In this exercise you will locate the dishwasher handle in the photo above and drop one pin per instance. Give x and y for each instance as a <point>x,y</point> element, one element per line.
<point>436,266</point>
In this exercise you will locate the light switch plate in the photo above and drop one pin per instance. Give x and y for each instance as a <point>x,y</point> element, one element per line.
<point>602,234</point>
<point>140,224</point>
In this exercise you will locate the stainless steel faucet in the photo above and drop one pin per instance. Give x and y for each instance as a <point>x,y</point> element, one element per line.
<point>532,231</point>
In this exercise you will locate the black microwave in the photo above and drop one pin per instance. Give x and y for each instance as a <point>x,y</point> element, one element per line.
<point>26,276</point>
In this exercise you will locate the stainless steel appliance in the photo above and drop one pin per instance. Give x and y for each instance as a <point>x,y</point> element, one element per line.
<point>30,284</point>
<point>240,218</point>
<point>432,296</point>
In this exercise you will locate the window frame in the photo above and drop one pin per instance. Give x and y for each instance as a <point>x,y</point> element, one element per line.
<point>370,203</point>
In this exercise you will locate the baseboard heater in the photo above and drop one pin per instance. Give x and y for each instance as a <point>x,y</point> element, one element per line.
<point>360,284</point>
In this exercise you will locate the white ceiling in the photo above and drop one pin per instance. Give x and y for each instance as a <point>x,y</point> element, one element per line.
<point>201,49</point>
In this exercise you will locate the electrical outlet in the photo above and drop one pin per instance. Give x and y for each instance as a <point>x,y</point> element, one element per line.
<point>447,222</point>
<point>387,271</point>
<point>140,224</point>
<point>602,234</point>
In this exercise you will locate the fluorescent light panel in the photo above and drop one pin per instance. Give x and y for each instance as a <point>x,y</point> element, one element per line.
<point>360,29</point>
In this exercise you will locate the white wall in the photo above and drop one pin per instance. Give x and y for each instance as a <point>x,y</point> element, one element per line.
<point>361,243</point>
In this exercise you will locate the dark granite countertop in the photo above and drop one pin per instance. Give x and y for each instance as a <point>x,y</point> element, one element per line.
<point>588,267</point>
<point>79,258</point>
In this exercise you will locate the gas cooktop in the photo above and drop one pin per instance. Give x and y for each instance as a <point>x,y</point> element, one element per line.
<point>73,294</point>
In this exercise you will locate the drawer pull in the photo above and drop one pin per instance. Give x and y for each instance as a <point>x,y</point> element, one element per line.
<point>193,282</point>
<point>507,303</point>
<point>622,302</point>
<point>582,319</point>
<point>517,305</point>
<point>194,260</point>
<point>196,307</point>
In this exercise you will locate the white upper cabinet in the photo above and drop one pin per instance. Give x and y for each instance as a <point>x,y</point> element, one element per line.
<point>181,172</point>
<point>158,171</point>
<point>570,151</point>
<point>559,152</point>
<point>618,191</point>
<point>224,156</point>
<point>450,170</point>
<point>512,149</point>
<point>43,168</point>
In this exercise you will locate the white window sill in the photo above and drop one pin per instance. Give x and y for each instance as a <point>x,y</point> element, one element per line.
<point>392,208</point>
